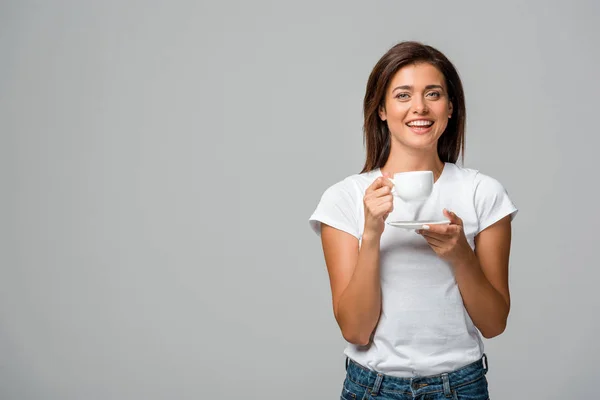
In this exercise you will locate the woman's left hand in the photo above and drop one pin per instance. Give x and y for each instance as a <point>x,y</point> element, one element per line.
<point>448,241</point>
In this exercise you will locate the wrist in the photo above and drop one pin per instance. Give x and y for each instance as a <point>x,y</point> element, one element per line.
<point>370,237</point>
<point>466,259</point>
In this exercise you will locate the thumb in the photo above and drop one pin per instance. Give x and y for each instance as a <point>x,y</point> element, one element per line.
<point>387,176</point>
<point>452,217</point>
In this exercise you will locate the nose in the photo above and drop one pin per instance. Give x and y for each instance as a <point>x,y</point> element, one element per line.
<point>419,106</point>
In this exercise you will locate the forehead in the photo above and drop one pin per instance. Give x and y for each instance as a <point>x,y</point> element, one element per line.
<point>421,74</point>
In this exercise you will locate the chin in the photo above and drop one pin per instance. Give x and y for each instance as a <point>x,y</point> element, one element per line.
<point>419,143</point>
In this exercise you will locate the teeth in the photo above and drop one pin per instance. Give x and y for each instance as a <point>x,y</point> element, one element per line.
<point>420,123</point>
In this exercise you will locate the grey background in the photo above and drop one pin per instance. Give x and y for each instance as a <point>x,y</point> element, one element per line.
<point>159,162</point>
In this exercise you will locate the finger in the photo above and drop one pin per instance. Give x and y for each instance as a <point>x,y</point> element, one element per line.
<point>442,229</point>
<point>388,198</point>
<point>387,177</point>
<point>455,229</point>
<point>434,241</point>
<point>437,236</point>
<point>445,229</point>
<point>384,208</point>
<point>436,244</point>
<point>388,182</point>
<point>454,219</point>
<point>377,183</point>
<point>378,210</point>
<point>373,202</point>
<point>382,191</point>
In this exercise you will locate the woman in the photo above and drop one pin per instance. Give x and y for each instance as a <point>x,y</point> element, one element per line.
<point>413,307</point>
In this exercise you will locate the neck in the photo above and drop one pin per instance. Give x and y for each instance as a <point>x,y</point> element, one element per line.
<point>403,160</point>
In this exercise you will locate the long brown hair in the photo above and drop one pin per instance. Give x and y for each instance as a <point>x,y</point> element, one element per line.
<point>376,132</point>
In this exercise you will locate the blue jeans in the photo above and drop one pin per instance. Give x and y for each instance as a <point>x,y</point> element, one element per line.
<point>468,382</point>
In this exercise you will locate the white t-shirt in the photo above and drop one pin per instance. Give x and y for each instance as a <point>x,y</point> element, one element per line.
<point>424,328</point>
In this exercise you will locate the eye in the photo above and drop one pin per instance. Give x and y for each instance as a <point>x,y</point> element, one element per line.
<point>434,94</point>
<point>402,96</point>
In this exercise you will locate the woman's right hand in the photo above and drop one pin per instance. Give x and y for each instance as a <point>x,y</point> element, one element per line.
<point>378,203</point>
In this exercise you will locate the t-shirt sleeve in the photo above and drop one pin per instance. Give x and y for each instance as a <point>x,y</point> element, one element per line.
<point>492,202</point>
<point>337,208</point>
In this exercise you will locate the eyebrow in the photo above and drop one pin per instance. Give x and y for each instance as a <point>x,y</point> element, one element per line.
<point>409,87</point>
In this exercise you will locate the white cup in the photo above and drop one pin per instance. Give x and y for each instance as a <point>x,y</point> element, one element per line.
<point>413,186</point>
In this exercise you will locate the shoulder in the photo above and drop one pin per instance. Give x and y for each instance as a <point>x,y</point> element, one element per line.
<point>340,204</point>
<point>461,173</point>
<point>490,198</point>
<point>478,180</point>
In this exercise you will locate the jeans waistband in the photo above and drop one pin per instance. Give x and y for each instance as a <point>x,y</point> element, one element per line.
<point>376,381</point>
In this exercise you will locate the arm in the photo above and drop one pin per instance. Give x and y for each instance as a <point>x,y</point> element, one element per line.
<point>481,275</point>
<point>353,273</point>
<point>355,282</point>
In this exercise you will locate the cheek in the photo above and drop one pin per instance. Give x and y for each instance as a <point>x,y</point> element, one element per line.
<point>442,118</point>
<point>396,115</point>
<point>396,125</point>
<point>441,110</point>
<point>441,125</point>
<point>397,110</point>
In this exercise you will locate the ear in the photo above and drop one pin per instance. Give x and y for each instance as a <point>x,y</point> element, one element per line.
<point>450,109</point>
<point>382,113</point>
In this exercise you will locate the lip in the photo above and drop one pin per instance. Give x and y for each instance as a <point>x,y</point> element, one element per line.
<point>420,130</point>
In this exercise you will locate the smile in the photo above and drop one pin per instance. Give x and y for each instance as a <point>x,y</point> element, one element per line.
<point>420,127</point>
<point>421,122</point>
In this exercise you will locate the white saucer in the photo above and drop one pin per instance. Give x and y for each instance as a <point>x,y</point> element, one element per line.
<point>416,224</point>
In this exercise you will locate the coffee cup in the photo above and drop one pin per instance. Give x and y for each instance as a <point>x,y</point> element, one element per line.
<point>412,186</point>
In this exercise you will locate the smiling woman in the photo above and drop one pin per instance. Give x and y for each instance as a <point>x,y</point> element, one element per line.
<point>414,307</point>
<point>393,87</point>
<point>433,108</point>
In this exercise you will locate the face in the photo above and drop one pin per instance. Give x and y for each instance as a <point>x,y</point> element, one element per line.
<point>417,107</point>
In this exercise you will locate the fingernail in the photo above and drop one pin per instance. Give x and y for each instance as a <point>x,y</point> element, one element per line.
<point>426,227</point>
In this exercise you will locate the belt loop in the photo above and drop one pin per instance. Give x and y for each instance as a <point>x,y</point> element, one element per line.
<point>446,382</point>
<point>485,363</point>
<point>377,384</point>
